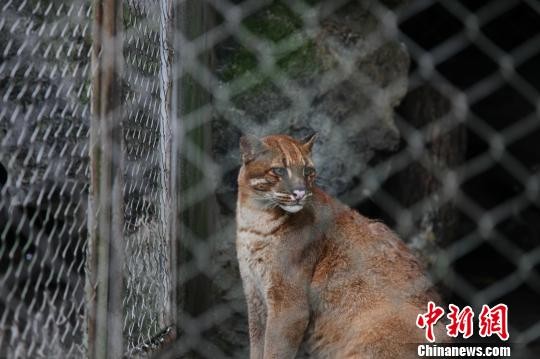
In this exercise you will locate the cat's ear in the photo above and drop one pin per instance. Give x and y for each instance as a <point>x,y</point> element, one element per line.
<point>250,147</point>
<point>309,141</point>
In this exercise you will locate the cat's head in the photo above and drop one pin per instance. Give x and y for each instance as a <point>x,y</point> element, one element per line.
<point>277,170</point>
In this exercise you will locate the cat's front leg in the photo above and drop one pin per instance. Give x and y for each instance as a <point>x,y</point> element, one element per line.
<point>256,320</point>
<point>287,320</point>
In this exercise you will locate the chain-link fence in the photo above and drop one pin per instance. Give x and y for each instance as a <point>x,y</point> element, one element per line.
<point>427,113</point>
<point>45,70</point>
<point>57,117</point>
<point>120,126</point>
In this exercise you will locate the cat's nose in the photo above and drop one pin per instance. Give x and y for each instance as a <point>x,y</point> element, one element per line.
<point>299,194</point>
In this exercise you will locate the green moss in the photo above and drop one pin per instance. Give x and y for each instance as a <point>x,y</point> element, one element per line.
<point>274,22</point>
<point>304,61</point>
<point>262,84</point>
<point>238,63</point>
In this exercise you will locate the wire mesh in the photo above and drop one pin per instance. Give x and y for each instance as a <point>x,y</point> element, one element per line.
<point>148,285</point>
<point>45,122</point>
<point>425,111</point>
<point>44,73</point>
<point>428,119</point>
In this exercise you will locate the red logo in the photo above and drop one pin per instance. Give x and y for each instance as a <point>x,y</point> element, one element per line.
<point>460,321</point>
<point>494,321</point>
<point>429,319</point>
<point>490,321</point>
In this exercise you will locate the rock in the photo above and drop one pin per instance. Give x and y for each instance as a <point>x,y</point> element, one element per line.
<point>434,177</point>
<point>353,113</point>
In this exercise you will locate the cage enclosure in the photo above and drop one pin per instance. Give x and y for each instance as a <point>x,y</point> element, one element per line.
<point>120,123</point>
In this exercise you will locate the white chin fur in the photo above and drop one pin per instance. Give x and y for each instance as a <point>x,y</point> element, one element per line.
<point>292,209</point>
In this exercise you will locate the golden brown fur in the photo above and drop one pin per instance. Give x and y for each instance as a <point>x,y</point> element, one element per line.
<point>322,276</point>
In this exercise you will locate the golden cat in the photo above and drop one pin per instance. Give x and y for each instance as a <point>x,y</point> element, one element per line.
<point>316,273</point>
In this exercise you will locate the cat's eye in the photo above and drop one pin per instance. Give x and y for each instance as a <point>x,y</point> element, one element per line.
<point>280,171</point>
<point>309,171</point>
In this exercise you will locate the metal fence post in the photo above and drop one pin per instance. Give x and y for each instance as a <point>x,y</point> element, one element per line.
<point>105,215</point>
<point>168,152</point>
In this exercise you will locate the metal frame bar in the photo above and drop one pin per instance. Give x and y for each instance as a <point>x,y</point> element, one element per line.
<point>105,261</point>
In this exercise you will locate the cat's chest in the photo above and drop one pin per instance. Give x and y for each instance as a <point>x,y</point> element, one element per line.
<point>259,255</point>
<point>268,242</point>
<point>259,245</point>
<point>255,257</point>
<point>255,250</point>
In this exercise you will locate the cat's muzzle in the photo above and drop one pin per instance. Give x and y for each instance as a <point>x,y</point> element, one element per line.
<point>292,208</point>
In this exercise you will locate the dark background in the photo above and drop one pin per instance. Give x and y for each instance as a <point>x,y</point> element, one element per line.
<point>496,257</point>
